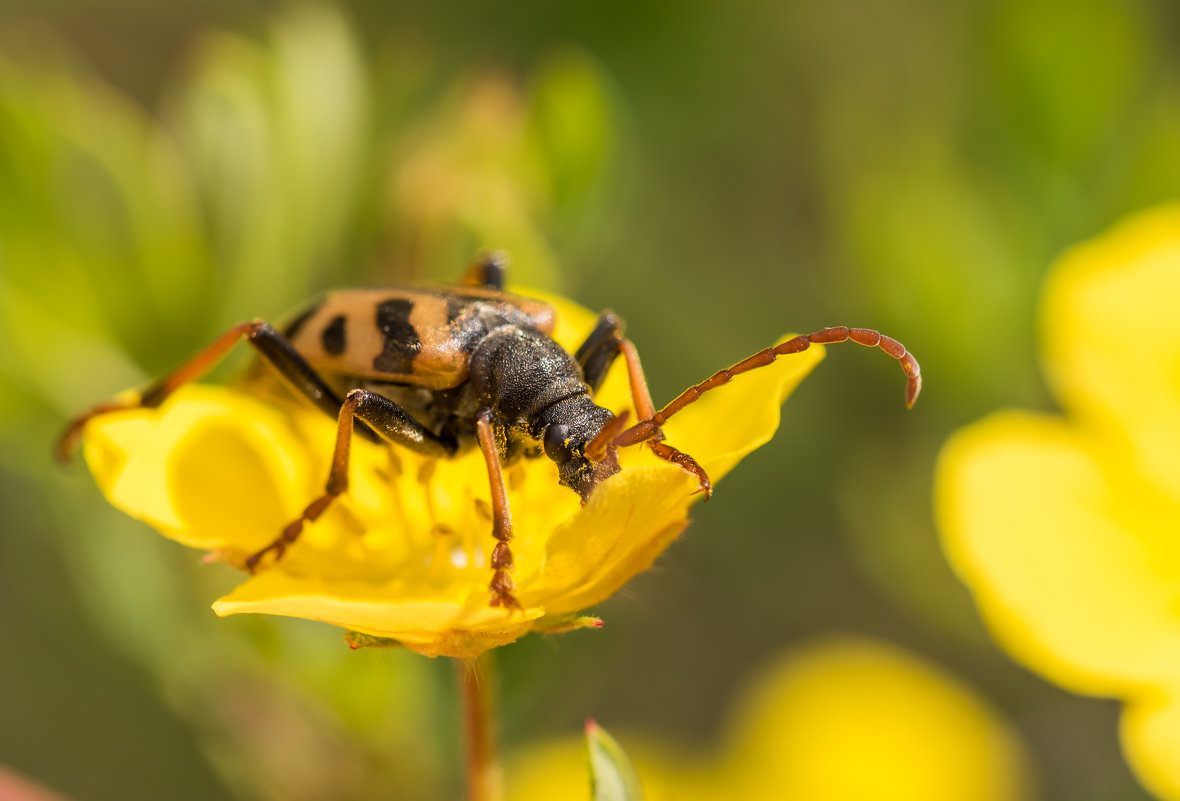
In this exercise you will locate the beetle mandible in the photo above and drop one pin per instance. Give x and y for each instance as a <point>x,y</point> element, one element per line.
<point>440,370</point>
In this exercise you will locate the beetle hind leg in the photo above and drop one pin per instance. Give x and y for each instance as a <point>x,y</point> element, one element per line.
<point>272,347</point>
<point>488,270</point>
<point>155,394</point>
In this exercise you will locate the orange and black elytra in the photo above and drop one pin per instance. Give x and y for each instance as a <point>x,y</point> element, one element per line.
<point>441,370</point>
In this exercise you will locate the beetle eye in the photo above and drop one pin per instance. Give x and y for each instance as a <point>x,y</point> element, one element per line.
<point>555,443</point>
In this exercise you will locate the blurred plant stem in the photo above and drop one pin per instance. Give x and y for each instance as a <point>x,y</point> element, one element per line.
<point>485,776</point>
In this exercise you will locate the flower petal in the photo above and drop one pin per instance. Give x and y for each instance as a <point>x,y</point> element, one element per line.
<point>1076,571</point>
<point>1112,337</point>
<point>635,515</point>
<point>456,623</point>
<point>1151,738</point>
<point>912,732</point>
<point>211,468</point>
<point>841,720</point>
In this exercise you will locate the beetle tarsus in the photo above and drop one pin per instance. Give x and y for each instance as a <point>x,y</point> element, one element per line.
<point>67,441</point>
<point>501,585</point>
<point>292,531</point>
<point>279,546</point>
<point>501,588</point>
<point>685,463</point>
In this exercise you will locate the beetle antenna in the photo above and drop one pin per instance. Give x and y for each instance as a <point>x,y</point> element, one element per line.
<point>650,428</point>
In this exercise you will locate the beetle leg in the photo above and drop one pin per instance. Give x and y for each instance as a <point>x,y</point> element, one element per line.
<point>596,355</point>
<point>501,584</point>
<point>641,397</point>
<point>274,349</point>
<point>488,270</point>
<point>391,422</point>
<point>650,428</point>
<point>640,394</point>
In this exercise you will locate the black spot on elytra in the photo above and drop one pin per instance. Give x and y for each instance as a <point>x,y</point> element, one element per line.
<point>456,305</point>
<point>402,344</point>
<point>334,337</point>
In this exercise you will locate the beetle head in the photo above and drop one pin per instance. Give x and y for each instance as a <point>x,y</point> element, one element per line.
<point>567,430</point>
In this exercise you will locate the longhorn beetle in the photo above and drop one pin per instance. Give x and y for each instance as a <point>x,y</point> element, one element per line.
<point>438,370</point>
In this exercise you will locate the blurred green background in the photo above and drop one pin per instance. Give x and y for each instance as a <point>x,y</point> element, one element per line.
<point>718,174</point>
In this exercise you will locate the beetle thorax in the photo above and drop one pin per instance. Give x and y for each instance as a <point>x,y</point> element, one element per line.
<point>536,389</point>
<point>520,372</point>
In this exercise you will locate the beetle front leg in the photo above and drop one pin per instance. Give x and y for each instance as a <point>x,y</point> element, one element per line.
<point>501,584</point>
<point>391,423</point>
<point>596,355</point>
<point>641,397</point>
<point>600,349</point>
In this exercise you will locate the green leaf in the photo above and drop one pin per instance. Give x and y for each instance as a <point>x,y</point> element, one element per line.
<point>612,776</point>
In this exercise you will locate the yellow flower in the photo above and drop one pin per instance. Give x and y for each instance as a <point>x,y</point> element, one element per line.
<point>403,554</point>
<point>1067,529</point>
<point>842,720</point>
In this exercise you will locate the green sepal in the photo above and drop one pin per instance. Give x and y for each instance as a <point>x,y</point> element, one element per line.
<point>568,623</point>
<point>358,639</point>
<point>612,776</point>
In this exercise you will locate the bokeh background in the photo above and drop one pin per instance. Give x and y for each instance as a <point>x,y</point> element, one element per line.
<point>717,174</point>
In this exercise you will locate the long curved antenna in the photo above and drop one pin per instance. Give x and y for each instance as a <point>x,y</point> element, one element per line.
<point>647,429</point>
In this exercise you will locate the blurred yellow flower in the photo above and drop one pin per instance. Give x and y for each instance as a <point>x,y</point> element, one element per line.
<point>403,554</point>
<point>843,720</point>
<point>1067,529</point>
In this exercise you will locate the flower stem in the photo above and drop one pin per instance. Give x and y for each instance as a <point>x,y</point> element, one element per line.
<point>485,781</point>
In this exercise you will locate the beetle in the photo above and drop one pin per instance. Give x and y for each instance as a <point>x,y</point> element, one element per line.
<point>440,370</point>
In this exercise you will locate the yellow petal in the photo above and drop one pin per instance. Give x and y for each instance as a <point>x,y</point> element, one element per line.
<point>1076,578</point>
<point>454,621</point>
<point>633,517</point>
<point>843,720</point>
<point>1066,530</point>
<point>847,720</point>
<point>1112,335</point>
<point>728,423</point>
<point>211,468</point>
<point>1151,738</point>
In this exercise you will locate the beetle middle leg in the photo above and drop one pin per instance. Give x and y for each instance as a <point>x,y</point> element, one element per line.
<point>596,355</point>
<point>391,423</point>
